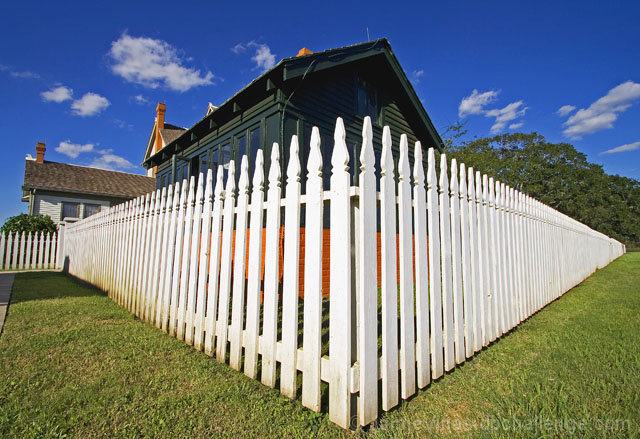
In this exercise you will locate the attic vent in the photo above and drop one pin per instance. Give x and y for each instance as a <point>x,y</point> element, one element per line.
<point>210,109</point>
<point>270,85</point>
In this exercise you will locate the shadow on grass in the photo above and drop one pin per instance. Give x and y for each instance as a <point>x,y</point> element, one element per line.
<point>49,285</point>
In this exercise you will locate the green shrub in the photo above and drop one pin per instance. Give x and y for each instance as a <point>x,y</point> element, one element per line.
<point>29,224</point>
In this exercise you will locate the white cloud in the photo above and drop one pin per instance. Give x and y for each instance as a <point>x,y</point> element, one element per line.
<point>122,124</point>
<point>154,63</point>
<point>475,102</point>
<point>564,110</point>
<point>105,158</point>
<point>110,162</point>
<point>73,150</point>
<point>601,114</point>
<point>57,94</point>
<point>515,126</point>
<point>3,68</point>
<point>623,148</point>
<point>26,74</point>
<point>417,74</point>
<point>139,99</point>
<point>505,115</point>
<point>239,48</point>
<point>263,57</point>
<point>89,105</point>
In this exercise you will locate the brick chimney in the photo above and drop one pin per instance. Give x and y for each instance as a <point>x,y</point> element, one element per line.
<point>40,149</point>
<point>304,51</point>
<point>160,110</point>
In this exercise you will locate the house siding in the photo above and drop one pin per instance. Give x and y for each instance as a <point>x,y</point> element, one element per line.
<point>50,204</point>
<point>316,100</point>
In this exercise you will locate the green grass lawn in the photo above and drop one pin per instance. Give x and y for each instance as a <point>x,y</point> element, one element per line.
<point>74,364</point>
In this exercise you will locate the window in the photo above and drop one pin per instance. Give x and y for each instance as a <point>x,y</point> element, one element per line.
<point>195,167</point>
<point>241,149</point>
<point>215,161</point>
<point>368,104</point>
<point>255,143</point>
<point>91,209</point>
<point>185,172</point>
<point>70,210</point>
<point>225,158</point>
<point>204,164</point>
<point>225,154</point>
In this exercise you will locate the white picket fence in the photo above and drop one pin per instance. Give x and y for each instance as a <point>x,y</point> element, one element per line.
<point>28,251</point>
<point>476,258</point>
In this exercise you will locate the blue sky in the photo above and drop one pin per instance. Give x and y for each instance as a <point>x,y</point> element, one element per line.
<point>84,77</point>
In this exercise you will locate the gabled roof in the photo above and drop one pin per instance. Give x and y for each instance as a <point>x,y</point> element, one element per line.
<point>171,132</point>
<point>168,134</point>
<point>294,68</point>
<point>63,177</point>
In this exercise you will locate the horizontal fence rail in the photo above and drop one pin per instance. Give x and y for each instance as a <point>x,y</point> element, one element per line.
<point>28,251</point>
<point>424,269</point>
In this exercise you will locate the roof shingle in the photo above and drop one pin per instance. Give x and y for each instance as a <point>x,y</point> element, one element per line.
<point>82,179</point>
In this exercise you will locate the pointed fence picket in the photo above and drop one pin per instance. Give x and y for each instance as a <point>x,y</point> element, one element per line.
<point>312,320</point>
<point>290,267</point>
<point>407,341</point>
<point>28,251</point>
<point>238,282</point>
<point>464,258</point>
<point>267,344</point>
<point>389,283</point>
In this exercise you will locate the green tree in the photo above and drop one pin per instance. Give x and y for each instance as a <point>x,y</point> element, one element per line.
<point>29,224</point>
<point>559,176</point>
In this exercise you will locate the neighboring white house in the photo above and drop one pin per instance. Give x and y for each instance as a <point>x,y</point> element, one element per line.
<point>70,192</point>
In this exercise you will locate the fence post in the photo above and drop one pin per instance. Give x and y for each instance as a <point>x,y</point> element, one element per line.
<point>22,249</point>
<point>203,270</point>
<point>214,263</point>
<point>271,271</point>
<point>291,273</point>
<point>168,245</point>
<point>312,322</point>
<point>445,255</point>
<point>255,272</point>
<point>389,281</point>
<point>421,269</point>
<point>186,259</point>
<point>239,267</point>
<point>2,249</point>
<point>466,263</point>
<point>222,325</point>
<point>456,259</point>
<point>407,339</point>
<point>435,291</point>
<point>179,210</point>
<point>195,242</point>
<point>367,282</point>
<point>475,264</point>
<point>340,319</point>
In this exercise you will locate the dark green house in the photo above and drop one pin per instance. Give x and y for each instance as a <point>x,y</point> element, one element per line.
<point>311,89</point>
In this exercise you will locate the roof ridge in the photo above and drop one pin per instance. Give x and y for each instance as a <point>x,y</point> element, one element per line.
<point>88,167</point>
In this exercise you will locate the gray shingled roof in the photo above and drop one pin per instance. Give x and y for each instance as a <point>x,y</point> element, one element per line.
<point>82,179</point>
<point>170,133</point>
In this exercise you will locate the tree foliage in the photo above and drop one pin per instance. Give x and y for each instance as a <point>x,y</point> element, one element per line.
<point>559,176</point>
<point>29,224</point>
